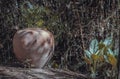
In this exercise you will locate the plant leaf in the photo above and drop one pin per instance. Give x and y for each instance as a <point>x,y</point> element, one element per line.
<point>106,58</point>
<point>112,60</point>
<point>108,41</point>
<point>40,22</point>
<point>116,52</point>
<point>93,46</point>
<point>110,51</point>
<point>88,54</point>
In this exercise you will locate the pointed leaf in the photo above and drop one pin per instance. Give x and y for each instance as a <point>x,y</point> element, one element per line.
<point>88,54</point>
<point>93,46</point>
<point>116,52</point>
<point>106,58</point>
<point>108,41</point>
<point>98,52</point>
<point>110,52</point>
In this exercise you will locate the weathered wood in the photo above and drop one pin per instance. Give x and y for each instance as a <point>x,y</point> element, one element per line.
<point>30,73</point>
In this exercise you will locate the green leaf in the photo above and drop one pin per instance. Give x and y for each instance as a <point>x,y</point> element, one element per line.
<point>40,22</point>
<point>106,58</point>
<point>108,41</point>
<point>110,51</point>
<point>98,52</point>
<point>88,54</point>
<point>116,52</point>
<point>93,46</point>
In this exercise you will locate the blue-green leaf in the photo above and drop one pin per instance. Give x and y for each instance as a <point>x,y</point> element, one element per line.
<point>110,51</point>
<point>98,52</point>
<point>106,58</point>
<point>108,41</point>
<point>93,46</point>
<point>88,54</point>
<point>116,52</point>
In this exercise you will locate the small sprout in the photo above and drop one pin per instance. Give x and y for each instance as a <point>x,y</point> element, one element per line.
<point>100,54</point>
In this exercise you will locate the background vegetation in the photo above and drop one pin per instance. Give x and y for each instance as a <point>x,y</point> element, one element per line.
<point>75,23</point>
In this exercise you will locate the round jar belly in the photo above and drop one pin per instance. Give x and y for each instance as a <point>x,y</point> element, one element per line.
<point>34,46</point>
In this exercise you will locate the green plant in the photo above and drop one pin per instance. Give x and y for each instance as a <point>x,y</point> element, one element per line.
<point>33,15</point>
<point>100,54</point>
<point>40,16</point>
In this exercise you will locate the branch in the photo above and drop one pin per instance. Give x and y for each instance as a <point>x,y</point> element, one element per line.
<point>28,73</point>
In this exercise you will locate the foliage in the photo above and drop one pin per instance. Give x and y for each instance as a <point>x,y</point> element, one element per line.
<point>99,54</point>
<point>33,16</point>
